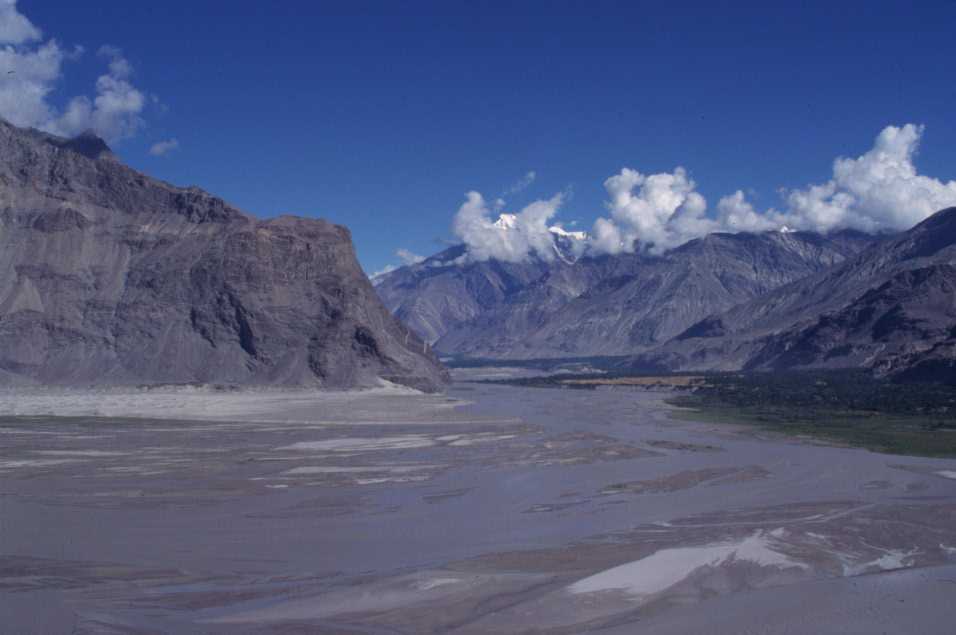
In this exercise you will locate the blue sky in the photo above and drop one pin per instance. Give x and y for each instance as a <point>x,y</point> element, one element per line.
<point>381,116</point>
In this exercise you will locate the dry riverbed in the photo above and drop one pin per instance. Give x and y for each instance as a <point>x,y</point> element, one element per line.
<point>492,509</point>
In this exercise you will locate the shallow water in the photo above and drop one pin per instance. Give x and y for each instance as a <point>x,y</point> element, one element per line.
<point>490,509</point>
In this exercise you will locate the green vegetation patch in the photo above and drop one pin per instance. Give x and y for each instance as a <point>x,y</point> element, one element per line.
<point>845,407</point>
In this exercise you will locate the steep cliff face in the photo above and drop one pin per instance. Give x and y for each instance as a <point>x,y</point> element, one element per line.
<point>891,308</point>
<point>108,276</point>
<point>609,305</point>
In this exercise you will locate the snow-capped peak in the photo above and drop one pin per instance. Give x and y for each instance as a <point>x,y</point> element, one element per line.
<point>567,245</point>
<point>507,221</point>
<point>510,221</point>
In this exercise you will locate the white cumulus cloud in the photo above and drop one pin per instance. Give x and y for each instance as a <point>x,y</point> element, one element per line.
<point>656,211</point>
<point>31,68</point>
<point>114,113</point>
<point>878,191</point>
<point>15,28</point>
<point>162,148</point>
<point>510,237</point>
<point>736,214</point>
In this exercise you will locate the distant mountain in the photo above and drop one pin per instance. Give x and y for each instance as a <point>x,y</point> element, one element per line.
<point>110,277</point>
<point>607,305</point>
<point>891,308</point>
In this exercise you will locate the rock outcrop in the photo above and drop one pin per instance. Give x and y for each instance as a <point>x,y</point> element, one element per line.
<point>108,276</point>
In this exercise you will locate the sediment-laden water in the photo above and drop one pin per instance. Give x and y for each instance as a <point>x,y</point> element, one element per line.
<point>491,509</point>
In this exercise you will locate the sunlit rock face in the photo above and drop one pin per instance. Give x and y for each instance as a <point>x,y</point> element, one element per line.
<point>109,277</point>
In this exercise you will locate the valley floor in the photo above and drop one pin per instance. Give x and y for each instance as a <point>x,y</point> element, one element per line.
<point>492,509</point>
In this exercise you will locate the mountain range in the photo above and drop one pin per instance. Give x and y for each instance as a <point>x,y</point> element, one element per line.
<point>774,300</point>
<point>108,276</point>
<point>891,308</point>
<point>604,305</point>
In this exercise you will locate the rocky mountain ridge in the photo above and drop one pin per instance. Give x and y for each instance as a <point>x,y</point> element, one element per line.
<point>108,276</point>
<point>891,308</point>
<point>598,306</point>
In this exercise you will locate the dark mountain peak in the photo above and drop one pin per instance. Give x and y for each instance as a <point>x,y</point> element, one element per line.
<point>745,240</point>
<point>760,246</point>
<point>447,256</point>
<point>944,217</point>
<point>942,222</point>
<point>936,233</point>
<point>850,234</point>
<point>88,144</point>
<point>716,238</point>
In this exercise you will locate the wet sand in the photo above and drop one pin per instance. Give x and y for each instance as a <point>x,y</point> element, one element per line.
<point>492,509</point>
